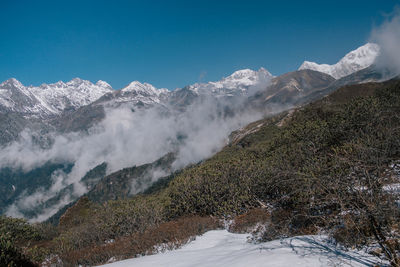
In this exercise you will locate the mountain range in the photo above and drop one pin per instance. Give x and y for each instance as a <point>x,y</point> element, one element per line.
<point>49,100</point>
<point>329,167</point>
<point>78,106</point>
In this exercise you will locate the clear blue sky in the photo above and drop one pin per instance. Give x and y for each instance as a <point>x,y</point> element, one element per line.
<point>174,43</point>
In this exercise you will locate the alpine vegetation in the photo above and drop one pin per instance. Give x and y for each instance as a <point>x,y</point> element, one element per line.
<point>132,135</point>
<point>236,166</point>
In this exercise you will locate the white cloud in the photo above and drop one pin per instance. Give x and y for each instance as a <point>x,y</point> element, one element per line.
<point>124,139</point>
<point>387,36</point>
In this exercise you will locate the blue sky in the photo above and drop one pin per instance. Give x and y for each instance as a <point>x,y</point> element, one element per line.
<point>174,43</point>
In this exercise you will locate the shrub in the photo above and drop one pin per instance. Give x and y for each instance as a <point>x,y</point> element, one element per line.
<point>169,235</point>
<point>19,229</point>
<point>10,255</point>
<point>247,222</point>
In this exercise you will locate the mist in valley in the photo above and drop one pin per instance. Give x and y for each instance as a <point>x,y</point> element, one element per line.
<point>129,137</point>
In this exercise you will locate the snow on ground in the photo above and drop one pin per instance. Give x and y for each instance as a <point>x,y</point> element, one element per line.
<point>221,248</point>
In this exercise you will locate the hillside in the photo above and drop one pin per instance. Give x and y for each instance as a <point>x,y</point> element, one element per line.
<point>320,168</point>
<point>38,123</point>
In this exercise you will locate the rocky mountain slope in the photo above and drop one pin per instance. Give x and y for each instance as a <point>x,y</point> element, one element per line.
<point>286,91</point>
<point>111,146</point>
<point>292,88</point>
<point>76,110</point>
<point>54,99</point>
<point>297,173</point>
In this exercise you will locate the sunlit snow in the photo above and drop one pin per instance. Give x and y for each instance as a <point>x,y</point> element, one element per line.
<point>221,248</point>
<point>356,60</point>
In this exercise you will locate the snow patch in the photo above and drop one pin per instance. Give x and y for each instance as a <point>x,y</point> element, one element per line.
<point>221,248</point>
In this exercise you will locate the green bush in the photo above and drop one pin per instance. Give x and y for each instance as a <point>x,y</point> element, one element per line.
<point>324,168</point>
<point>10,255</point>
<point>20,229</point>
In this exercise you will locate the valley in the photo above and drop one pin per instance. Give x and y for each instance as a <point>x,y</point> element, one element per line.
<point>106,175</point>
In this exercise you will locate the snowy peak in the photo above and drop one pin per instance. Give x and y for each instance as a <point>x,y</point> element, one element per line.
<point>139,87</point>
<point>103,84</point>
<point>14,96</point>
<point>362,55</point>
<point>238,83</point>
<point>356,60</point>
<point>248,74</point>
<point>134,94</point>
<point>55,98</point>
<point>264,72</point>
<point>245,77</point>
<point>78,82</point>
<point>50,99</point>
<point>59,84</point>
<point>142,89</point>
<point>73,94</point>
<point>240,74</point>
<point>10,83</point>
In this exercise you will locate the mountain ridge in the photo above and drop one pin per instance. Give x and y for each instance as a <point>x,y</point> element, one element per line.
<point>53,99</point>
<point>360,58</point>
<point>49,100</point>
<point>245,92</point>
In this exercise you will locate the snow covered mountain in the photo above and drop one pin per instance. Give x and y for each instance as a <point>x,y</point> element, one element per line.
<point>53,99</point>
<point>238,83</point>
<point>40,110</point>
<point>15,97</point>
<point>79,104</point>
<point>142,89</point>
<point>76,93</point>
<point>136,93</point>
<point>241,82</point>
<point>356,60</point>
<point>49,99</point>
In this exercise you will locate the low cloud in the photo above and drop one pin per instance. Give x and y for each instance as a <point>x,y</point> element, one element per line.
<point>387,36</point>
<point>148,178</point>
<point>27,202</point>
<point>126,138</point>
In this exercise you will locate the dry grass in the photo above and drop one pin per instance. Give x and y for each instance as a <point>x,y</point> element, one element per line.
<point>169,235</point>
<point>246,222</point>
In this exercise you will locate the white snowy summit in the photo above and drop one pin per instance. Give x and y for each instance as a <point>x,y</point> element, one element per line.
<point>53,99</point>
<point>14,96</point>
<point>137,92</point>
<point>356,60</point>
<point>238,83</point>
<point>71,95</point>
<point>243,78</point>
<point>143,89</point>
<point>49,99</point>
<point>145,94</point>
